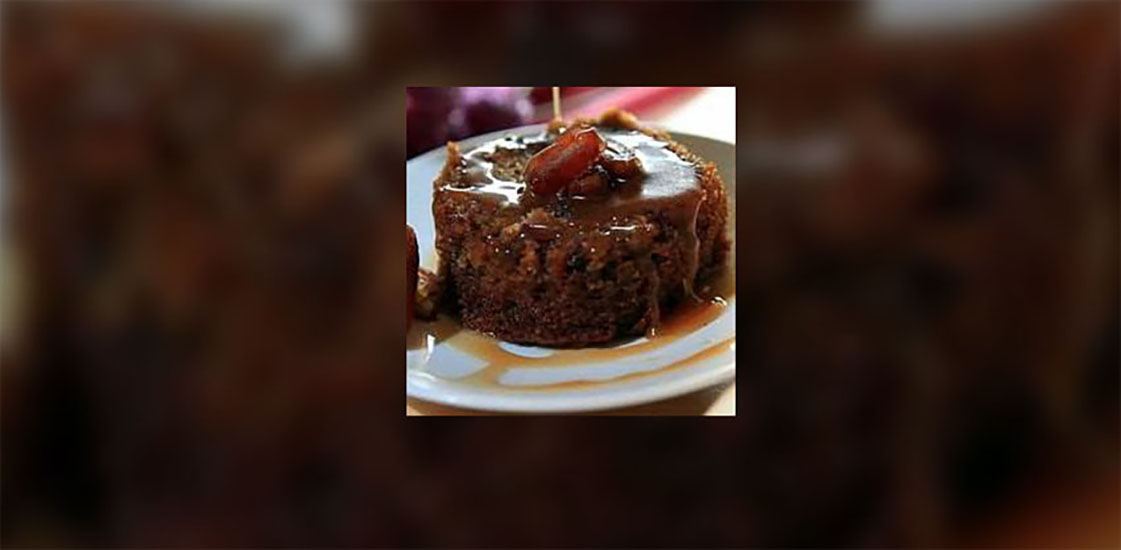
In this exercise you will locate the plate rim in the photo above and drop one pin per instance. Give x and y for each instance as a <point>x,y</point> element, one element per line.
<point>565,402</point>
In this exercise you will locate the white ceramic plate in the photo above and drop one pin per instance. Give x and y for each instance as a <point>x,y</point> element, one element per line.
<point>439,370</point>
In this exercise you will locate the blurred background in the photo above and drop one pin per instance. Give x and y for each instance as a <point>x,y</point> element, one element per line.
<point>198,205</point>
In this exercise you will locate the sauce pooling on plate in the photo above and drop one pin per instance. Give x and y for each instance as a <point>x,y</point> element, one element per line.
<point>498,360</point>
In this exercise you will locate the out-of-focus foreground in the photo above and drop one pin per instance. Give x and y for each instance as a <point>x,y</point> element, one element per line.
<point>201,285</point>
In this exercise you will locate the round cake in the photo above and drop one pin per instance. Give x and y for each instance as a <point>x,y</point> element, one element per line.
<point>587,232</point>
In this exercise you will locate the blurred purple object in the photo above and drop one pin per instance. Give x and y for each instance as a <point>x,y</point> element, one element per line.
<point>436,115</point>
<point>483,110</point>
<point>427,114</point>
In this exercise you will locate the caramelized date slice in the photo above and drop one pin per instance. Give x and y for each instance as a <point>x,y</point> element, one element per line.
<point>591,184</point>
<point>620,164</point>
<point>571,156</point>
<point>412,261</point>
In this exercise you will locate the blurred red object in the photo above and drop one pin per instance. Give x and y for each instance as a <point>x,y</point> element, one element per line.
<point>646,102</point>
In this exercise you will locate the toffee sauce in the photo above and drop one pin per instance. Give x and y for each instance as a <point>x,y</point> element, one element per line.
<point>686,318</point>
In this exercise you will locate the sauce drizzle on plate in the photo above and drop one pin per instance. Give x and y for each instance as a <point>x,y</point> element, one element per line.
<point>688,317</point>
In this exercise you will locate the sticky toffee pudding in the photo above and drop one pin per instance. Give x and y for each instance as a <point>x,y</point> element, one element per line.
<point>588,232</point>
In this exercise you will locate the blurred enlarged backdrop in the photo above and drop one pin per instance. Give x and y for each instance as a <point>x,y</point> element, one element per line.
<point>200,203</point>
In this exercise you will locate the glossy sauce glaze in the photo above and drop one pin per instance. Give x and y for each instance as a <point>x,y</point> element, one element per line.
<point>667,185</point>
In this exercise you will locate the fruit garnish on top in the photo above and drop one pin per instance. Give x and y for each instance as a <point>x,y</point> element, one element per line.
<point>580,162</point>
